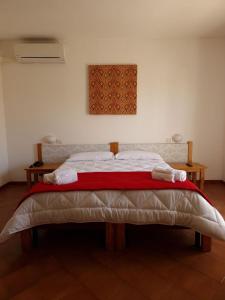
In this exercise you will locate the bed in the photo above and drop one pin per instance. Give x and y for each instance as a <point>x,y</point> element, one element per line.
<point>117,192</point>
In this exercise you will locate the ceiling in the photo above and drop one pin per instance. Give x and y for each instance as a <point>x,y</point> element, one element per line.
<point>68,19</point>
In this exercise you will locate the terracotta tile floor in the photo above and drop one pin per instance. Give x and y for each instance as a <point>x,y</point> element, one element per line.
<point>71,263</point>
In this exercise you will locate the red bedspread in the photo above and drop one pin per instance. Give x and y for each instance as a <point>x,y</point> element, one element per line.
<point>114,181</point>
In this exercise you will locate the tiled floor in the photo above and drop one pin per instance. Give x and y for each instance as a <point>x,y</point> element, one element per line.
<point>158,263</point>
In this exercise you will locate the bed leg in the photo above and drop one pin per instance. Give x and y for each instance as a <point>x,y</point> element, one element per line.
<point>109,236</point>
<point>120,237</point>
<point>197,239</point>
<point>203,242</point>
<point>26,240</point>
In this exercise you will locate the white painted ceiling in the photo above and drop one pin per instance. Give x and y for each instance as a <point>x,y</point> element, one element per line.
<point>67,19</point>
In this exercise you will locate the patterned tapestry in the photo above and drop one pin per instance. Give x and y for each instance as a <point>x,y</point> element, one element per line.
<point>112,89</point>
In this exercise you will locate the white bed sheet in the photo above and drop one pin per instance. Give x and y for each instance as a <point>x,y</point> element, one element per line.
<point>170,207</point>
<point>114,165</point>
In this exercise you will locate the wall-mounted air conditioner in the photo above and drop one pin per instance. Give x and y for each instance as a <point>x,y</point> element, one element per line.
<point>39,53</point>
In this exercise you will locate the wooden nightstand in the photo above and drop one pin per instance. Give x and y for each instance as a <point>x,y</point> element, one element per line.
<point>36,171</point>
<point>195,172</point>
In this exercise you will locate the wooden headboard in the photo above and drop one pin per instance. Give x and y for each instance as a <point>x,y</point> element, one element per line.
<point>170,152</point>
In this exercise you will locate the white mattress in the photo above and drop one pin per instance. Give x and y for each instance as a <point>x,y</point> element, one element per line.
<point>170,207</point>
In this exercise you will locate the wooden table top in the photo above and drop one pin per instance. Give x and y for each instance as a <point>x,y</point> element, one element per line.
<point>44,167</point>
<point>196,167</point>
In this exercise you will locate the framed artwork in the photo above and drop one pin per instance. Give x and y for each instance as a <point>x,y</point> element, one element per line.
<point>112,89</point>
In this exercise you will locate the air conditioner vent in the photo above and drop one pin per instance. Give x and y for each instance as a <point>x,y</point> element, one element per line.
<point>39,53</point>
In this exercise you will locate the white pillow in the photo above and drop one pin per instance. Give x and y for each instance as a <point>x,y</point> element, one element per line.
<point>138,155</point>
<point>93,156</point>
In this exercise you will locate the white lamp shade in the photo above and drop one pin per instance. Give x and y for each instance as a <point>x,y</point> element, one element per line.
<point>50,139</point>
<point>177,138</point>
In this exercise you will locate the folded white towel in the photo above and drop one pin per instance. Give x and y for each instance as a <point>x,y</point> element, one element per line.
<point>164,170</point>
<point>169,174</point>
<point>48,178</point>
<point>61,176</point>
<point>65,176</point>
<point>163,176</point>
<point>180,175</point>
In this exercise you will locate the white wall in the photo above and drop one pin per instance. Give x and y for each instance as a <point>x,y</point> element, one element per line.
<point>3,141</point>
<point>224,151</point>
<point>181,88</point>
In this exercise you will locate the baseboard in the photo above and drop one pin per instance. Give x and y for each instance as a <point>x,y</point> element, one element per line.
<point>214,181</point>
<point>12,183</point>
<point>17,183</point>
<point>4,186</point>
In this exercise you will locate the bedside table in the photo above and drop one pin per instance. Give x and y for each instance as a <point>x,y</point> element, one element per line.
<point>196,171</point>
<point>36,171</point>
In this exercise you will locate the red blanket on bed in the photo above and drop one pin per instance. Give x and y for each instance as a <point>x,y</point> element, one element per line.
<point>114,181</point>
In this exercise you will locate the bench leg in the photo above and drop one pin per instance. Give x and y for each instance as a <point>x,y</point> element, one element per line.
<point>29,239</point>
<point>120,236</point>
<point>26,240</point>
<point>115,236</point>
<point>109,236</point>
<point>203,242</point>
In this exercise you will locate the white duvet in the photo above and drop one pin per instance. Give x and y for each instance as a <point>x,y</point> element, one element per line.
<point>170,207</point>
